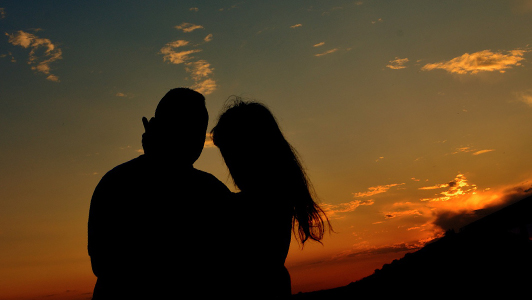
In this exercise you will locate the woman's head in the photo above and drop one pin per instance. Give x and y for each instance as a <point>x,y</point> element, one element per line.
<point>260,159</point>
<point>250,141</point>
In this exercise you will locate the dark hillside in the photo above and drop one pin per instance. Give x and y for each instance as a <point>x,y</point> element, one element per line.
<point>487,258</point>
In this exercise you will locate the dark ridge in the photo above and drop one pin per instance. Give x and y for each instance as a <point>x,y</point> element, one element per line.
<point>490,257</point>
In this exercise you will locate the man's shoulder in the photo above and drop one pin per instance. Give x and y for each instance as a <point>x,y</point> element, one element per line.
<point>129,168</point>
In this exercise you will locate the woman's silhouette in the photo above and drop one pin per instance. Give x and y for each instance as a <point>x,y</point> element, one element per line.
<point>275,198</point>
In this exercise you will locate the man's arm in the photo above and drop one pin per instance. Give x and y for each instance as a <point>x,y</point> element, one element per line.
<point>100,227</point>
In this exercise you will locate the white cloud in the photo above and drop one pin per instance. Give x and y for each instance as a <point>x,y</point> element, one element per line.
<point>482,61</point>
<point>397,63</point>
<point>296,26</point>
<point>43,52</point>
<point>326,52</point>
<point>188,27</point>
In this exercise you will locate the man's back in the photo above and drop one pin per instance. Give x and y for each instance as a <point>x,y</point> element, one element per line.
<point>149,227</point>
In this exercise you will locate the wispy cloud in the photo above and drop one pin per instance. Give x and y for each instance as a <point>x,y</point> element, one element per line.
<point>193,9</point>
<point>199,70</point>
<point>206,86</point>
<point>327,52</point>
<point>525,97</point>
<point>365,249</point>
<point>296,26</point>
<point>397,63</point>
<point>374,190</point>
<point>475,152</point>
<point>319,44</point>
<point>43,52</point>
<point>188,27</point>
<point>333,210</point>
<point>395,214</point>
<point>2,13</point>
<point>483,151</point>
<point>175,57</point>
<point>482,61</point>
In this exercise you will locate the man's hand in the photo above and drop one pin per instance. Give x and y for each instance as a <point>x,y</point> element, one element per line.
<point>148,135</point>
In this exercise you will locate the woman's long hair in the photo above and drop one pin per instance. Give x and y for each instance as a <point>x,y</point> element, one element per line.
<point>260,159</point>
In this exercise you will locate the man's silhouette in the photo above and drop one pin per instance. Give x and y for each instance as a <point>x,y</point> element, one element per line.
<point>155,224</point>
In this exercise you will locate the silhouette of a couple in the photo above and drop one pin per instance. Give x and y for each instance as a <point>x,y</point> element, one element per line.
<point>161,229</point>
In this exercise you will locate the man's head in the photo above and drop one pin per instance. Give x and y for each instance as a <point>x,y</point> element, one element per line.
<point>177,132</point>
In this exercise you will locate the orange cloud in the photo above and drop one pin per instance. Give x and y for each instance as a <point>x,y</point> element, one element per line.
<point>332,210</point>
<point>200,70</point>
<point>296,26</point>
<point>175,57</point>
<point>482,61</point>
<point>525,97</point>
<point>483,151</point>
<point>374,190</point>
<point>397,63</point>
<point>459,186</point>
<point>327,52</point>
<point>188,27</point>
<point>469,149</point>
<point>205,87</point>
<point>39,61</point>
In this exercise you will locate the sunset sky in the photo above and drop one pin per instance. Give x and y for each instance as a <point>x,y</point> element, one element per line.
<point>410,117</point>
